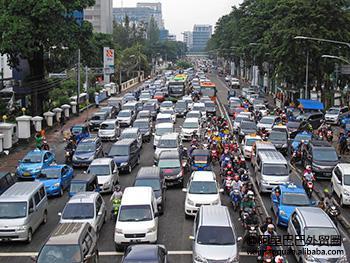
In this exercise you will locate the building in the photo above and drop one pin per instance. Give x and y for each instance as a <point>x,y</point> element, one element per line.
<point>163,34</point>
<point>201,35</point>
<point>188,39</point>
<point>171,37</point>
<point>100,16</point>
<point>157,9</point>
<point>135,14</point>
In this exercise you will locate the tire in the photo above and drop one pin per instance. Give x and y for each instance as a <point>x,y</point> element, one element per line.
<point>44,218</point>
<point>30,236</point>
<point>187,216</point>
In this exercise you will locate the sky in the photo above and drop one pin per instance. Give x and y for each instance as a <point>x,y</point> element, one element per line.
<point>181,15</point>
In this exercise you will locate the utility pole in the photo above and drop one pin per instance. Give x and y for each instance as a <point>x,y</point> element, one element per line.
<point>2,71</point>
<point>86,79</point>
<point>307,76</point>
<point>78,80</point>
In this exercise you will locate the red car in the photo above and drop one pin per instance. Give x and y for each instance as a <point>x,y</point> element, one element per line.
<point>159,96</point>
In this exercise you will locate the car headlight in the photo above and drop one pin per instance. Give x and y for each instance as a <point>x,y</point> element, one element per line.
<point>282,213</point>
<point>199,258</point>
<point>151,229</point>
<point>263,181</point>
<point>75,158</point>
<point>346,193</point>
<point>56,185</point>
<point>118,231</point>
<point>21,228</point>
<point>107,183</point>
<point>233,259</point>
<point>216,202</point>
<point>190,202</point>
<point>124,164</point>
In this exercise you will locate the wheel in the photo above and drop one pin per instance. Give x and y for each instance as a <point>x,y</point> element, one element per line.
<point>30,236</point>
<point>44,218</point>
<point>61,192</point>
<point>129,169</point>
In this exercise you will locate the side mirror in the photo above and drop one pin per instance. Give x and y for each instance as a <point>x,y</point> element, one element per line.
<point>106,153</point>
<point>184,190</point>
<point>59,213</point>
<point>31,210</point>
<point>191,237</point>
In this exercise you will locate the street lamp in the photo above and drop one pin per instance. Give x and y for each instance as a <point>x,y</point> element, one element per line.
<point>336,57</point>
<point>323,40</point>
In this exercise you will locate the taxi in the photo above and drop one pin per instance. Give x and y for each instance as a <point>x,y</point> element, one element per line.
<point>248,143</point>
<point>285,198</point>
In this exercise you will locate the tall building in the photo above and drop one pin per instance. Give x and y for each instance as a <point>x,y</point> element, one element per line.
<point>135,14</point>
<point>172,37</point>
<point>201,35</point>
<point>100,16</point>
<point>188,39</point>
<point>163,34</point>
<point>157,8</point>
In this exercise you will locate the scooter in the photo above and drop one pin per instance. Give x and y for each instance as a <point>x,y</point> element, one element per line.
<point>235,199</point>
<point>329,136</point>
<point>309,187</point>
<point>333,212</point>
<point>115,208</point>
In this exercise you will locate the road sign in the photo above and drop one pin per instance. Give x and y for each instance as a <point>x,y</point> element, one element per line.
<point>108,63</point>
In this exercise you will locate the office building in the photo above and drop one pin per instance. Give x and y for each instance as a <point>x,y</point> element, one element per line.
<point>163,34</point>
<point>157,9</point>
<point>100,16</point>
<point>135,14</point>
<point>171,37</point>
<point>188,39</point>
<point>201,35</point>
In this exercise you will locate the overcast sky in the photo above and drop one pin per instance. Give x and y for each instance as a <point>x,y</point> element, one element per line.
<point>181,15</point>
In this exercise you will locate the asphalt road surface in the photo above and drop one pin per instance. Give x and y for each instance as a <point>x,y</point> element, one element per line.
<point>173,230</point>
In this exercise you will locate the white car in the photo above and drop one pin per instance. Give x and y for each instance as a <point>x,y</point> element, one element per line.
<point>190,126</point>
<point>189,101</point>
<point>168,142</point>
<point>109,130</point>
<point>340,183</point>
<point>125,117</point>
<point>196,114</point>
<point>166,105</point>
<point>161,129</point>
<point>202,189</point>
<point>200,106</point>
<point>335,113</point>
<point>171,112</point>
<point>107,173</point>
<point>247,144</point>
<point>262,109</point>
<point>238,119</point>
<point>268,122</point>
<point>85,207</point>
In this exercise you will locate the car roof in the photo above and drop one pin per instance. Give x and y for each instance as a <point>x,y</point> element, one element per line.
<point>202,177</point>
<point>215,215</point>
<point>191,119</point>
<point>169,155</point>
<point>125,110</point>
<point>20,191</point>
<point>142,253</point>
<point>314,217</point>
<point>137,195</point>
<point>101,161</point>
<point>127,141</point>
<point>170,136</point>
<point>163,115</point>
<point>109,121</point>
<point>83,197</point>
<point>143,119</point>
<point>89,139</point>
<point>318,143</point>
<point>165,125</point>
<point>130,130</point>
<point>291,188</point>
<point>67,233</point>
<point>345,167</point>
<point>56,166</point>
<point>148,172</point>
<point>83,177</point>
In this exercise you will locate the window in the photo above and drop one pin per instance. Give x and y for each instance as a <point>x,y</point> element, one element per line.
<point>197,221</point>
<point>97,206</point>
<point>42,193</point>
<point>31,204</point>
<point>337,173</point>
<point>46,157</point>
<point>37,198</point>
<point>296,224</point>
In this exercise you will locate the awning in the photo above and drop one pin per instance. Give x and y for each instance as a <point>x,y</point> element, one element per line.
<point>311,104</point>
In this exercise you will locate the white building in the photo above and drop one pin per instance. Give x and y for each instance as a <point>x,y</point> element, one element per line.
<point>188,39</point>
<point>100,16</point>
<point>157,8</point>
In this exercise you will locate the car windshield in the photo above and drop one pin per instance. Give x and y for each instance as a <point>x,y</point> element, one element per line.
<point>159,94</point>
<point>124,114</point>
<point>60,254</point>
<point>333,111</point>
<point>248,125</point>
<point>318,233</point>
<point>135,213</point>
<point>85,147</point>
<point>203,187</point>
<point>240,118</point>
<point>166,104</point>
<point>235,104</point>
<point>209,104</point>
<point>190,125</point>
<point>100,169</point>
<point>162,131</point>
<point>324,154</point>
<point>164,120</point>
<point>78,211</point>
<point>33,157</point>
<point>128,135</point>
<point>77,129</point>
<point>193,115</point>
<point>199,108</point>
<point>107,126</point>
<point>275,169</point>
<point>201,158</point>
<point>119,150</point>
<point>97,117</point>
<point>295,199</point>
<point>141,124</point>
<point>167,143</point>
<point>169,163</point>
<point>9,210</point>
<point>250,142</point>
<point>154,183</point>
<point>51,173</point>
<point>278,136</point>
<point>180,105</point>
<point>76,187</point>
<point>302,137</point>
<point>266,120</point>
<point>215,235</point>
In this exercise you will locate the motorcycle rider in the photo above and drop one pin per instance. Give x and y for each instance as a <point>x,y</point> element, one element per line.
<point>308,175</point>
<point>327,198</point>
<point>248,201</point>
<point>268,221</point>
<point>270,231</point>
<point>224,157</point>
<point>236,183</point>
<point>117,193</point>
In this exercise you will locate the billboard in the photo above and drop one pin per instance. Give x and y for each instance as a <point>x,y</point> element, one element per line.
<point>108,60</point>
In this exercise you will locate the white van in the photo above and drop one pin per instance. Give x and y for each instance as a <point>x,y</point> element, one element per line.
<point>271,170</point>
<point>23,208</point>
<point>260,147</point>
<point>137,220</point>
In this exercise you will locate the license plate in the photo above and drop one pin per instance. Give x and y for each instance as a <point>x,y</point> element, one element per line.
<point>26,174</point>
<point>327,174</point>
<point>135,240</point>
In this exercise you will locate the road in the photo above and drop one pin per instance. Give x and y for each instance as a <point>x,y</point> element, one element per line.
<point>174,229</point>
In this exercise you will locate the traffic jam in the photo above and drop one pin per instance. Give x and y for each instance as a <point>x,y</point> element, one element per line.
<point>190,166</point>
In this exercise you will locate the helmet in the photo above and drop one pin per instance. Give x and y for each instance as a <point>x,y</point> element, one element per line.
<point>326,191</point>
<point>270,227</point>
<point>279,259</point>
<point>250,194</point>
<point>308,167</point>
<point>229,165</point>
<point>269,218</point>
<point>263,128</point>
<point>236,177</point>
<point>117,188</point>
<point>302,141</point>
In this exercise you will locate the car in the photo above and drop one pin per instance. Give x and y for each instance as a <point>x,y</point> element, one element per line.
<point>214,237</point>
<point>152,107</point>
<point>159,95</point>
<point>246,127</point>
<point>144,114</point>
<point>268,122</point>
<point>144,125</point>
<point>6,181</point>
<point>340,183</point>
<point>70,242</point>
<point>132,133</point>
<point>234,83</point>
<point>334,114</point>
<point>234,111</point>
<point>314,118</point>
<point>96,119</point>
<point>237,123</point>
<point>189,102</point>
<point>128,97</point>
<point>145,96</point>
<point>202,189</point>
<point>171,112</point>
<point>84,183</point>
<point>181,108</point>
<point>151,176</point>
<point>291,196</point>
<point>200,106</point>
<point>280,140</point>
<point>87,150</point>
<point>196,114</point>
<point>161,129</point>
<point>107,173</point>
<point>166,105</point>
<point>168,142</point>
<point>126,154</point>
<point>145,253</point>
<point>171,168</point>
<point>111,110</point>
<point>200,160</point>
<point>125,117</point>
<point>80,131</point>
<point>210,107</point>
<point>247,144</point>
<point>56,178</point>
<point>109,130</point>
<point>189,126</point>
<point>231,93</point>
<point>262,109</point>
<point>164,118</point>
<point>301,136</point>
<point>33,162</point>
<point>85,207</point>
<point>321,156</point>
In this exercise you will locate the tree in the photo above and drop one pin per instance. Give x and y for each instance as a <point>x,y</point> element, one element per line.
<point>30,28</point>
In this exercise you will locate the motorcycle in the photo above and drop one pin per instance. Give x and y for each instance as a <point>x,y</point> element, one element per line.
<point>45,146</point>
<point>333,212</point>
<point>329,136</point>
<point>235,199</point>
<point>115,208</point>
<point>214,155</point>
<point>309,187</point>
<point>228,182</point>
<point>69,152</point>
<point>296,156</point>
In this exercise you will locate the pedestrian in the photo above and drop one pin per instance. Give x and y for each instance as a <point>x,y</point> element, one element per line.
<point>97,100</point>
<point>38,140</point>
<point>342,143</point>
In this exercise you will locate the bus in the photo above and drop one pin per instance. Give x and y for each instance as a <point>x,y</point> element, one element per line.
<point>177,86</point>
<point>208,89</point>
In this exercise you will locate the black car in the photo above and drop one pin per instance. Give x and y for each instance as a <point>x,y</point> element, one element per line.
<point>280,140</point>
<point>145,253</point>
<point>171,168</point>
<point>151,176</point>
<point>126,154</point>
<point>6,181</point>
<point>246,128</point>
<point>112,111</point>
<point>144,126</point>
<point>210,108</point>
<point>322,157</point>
<point>152,107</point>
<point>87,150</point>
<point>96,119</point>
<point>181,108</point>
<point>314,118</point>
